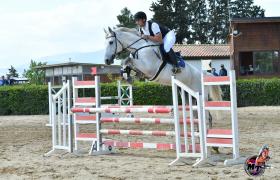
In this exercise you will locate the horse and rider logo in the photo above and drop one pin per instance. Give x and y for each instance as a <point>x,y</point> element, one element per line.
<point>256,165</point>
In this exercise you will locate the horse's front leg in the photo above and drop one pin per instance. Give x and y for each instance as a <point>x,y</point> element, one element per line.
<point>126,69</point>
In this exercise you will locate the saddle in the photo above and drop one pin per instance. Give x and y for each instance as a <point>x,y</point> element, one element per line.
<point>165,57</point>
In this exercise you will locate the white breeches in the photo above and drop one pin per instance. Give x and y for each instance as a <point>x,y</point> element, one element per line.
<point>169,40</point>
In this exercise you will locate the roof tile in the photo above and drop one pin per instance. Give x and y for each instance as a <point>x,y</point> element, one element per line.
<point>203,50</point>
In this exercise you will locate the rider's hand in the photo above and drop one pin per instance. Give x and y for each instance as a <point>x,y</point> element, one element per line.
<point>145,36</point>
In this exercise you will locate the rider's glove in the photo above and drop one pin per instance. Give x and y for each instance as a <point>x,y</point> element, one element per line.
<point>145,36</point>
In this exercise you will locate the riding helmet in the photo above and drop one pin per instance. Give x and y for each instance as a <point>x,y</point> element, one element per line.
<point>140,15</point>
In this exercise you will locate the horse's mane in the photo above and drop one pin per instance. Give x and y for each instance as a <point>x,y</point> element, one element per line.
<point>125,29</point>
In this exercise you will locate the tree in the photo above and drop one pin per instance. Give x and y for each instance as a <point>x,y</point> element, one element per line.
<point>202,21</point>
<point>198,21</point>
<point>173,14</point>
<point>245,9</point>
<point>199,25</point>
<point>164,12</point>
<point>218,20</point>
<point>187,17</point>
<point>126,19</point>
<point>35,76</point>
<point>182,21</point>
<point>12,72</point>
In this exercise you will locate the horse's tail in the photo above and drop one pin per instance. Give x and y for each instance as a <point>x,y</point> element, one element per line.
<point>215,93</point>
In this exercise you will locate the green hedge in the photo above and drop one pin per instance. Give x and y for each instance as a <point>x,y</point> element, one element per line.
<point>23,99</point>
<point>143,93</point>
<point>258,92</point>
<point>31,99</point>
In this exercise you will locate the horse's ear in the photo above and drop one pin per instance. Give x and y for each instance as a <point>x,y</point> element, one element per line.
<point>106,32</point>
<point>110,30</point>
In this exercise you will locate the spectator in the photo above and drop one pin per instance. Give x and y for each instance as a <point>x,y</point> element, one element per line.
<point>2,81</point>
<point>214,72</point>
<point>251,70</point>
<point>209,69</point>
<point>223,71</point>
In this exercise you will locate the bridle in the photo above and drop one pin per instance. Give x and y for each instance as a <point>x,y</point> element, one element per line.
<point>123,48</point>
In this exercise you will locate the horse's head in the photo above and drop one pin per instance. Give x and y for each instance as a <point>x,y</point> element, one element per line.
<point>120,39</point>
<point>113,46</point>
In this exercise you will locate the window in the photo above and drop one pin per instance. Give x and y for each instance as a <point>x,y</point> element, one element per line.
<point>266,62</point>
<point>57,80</point>
<point>246,60</point>
<point>259,63</point>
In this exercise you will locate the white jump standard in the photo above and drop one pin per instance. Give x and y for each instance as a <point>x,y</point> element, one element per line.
<point>191,136</point>
<point>60,119</point>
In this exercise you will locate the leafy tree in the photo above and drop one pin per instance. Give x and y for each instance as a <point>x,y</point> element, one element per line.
<point>202,21</point>
<point>187,17</point>
<point>245,9</point>
<point>182,21</point>
<point>126,19</point>
<point>12,72</point>
<point>218,20</point>
<point>164,12</point>
<point>199,25</point>
<point>35,75</point>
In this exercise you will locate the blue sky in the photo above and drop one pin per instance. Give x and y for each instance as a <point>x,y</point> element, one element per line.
<point>31,29</point>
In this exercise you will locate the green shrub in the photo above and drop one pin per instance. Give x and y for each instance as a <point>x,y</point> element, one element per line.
<point>24,99</point>
<point>258,92</point>
<point>32,99</point>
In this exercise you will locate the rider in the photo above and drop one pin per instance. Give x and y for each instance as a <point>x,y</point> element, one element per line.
<point>157,33</point>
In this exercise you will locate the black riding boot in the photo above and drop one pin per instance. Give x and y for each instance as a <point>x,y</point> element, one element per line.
<point>173,59</point>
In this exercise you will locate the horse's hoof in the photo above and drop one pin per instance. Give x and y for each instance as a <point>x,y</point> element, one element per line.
<point>129,80</point>
<point>216,150</point>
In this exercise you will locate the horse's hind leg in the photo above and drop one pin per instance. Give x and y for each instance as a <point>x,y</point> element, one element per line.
<point>210,125</point>
<point>209,118</point>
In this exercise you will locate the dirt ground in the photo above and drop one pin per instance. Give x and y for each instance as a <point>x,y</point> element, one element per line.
<point>25,139</point>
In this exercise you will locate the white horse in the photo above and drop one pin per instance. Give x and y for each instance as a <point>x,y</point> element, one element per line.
<point>147,59</point>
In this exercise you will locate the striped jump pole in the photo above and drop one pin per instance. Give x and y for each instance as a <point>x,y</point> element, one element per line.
<point>136,132</point>
<point>92,119</point>
<point>122,110</point>
<point>143,120</point>
<point>194,107</point>
<point>145,145</point>
<point>141,132</point>
<point>140,145</point>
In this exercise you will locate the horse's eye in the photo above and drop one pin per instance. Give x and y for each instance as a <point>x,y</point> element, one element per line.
<point>111,42</point>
